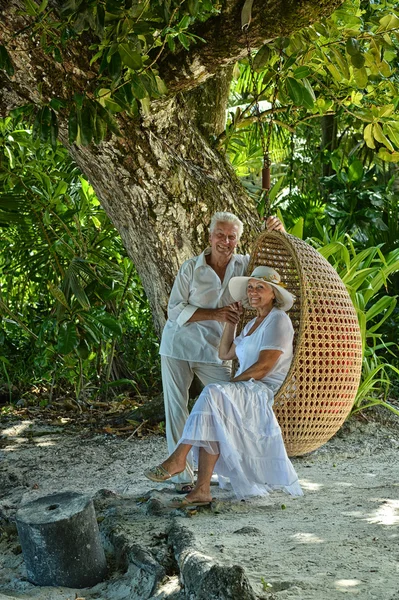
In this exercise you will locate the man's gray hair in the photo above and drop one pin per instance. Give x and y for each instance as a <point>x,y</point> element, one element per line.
<point>226,217</point>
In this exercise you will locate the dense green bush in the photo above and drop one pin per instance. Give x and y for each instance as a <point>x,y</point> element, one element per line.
<point>74,311</point>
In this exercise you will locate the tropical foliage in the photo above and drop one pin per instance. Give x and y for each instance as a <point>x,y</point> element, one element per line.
<point>366,274</point>
<point>74,311</point>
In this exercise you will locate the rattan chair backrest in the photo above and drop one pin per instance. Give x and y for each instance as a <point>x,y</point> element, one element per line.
<point>321,385</point>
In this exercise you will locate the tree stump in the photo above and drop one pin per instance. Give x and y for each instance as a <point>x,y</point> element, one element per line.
<point>61,542</point>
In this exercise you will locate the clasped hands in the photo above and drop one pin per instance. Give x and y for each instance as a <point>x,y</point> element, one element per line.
<point>230,313</point>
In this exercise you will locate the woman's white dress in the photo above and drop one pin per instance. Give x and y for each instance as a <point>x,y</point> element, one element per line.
<point>237,421</point>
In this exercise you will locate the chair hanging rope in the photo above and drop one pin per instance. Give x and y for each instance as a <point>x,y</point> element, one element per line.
<point>265,139</point>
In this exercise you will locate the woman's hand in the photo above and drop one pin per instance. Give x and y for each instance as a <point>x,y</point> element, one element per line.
<point>274,224</point>
<point>229,314</point>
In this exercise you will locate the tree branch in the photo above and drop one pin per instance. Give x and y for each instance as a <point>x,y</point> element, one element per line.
<point>225,40</point>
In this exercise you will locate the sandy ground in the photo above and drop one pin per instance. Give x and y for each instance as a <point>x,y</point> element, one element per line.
<point>341,539</point>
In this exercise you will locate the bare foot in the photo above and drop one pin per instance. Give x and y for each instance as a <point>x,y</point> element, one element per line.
<point>172,466</point>
<point>199,495</point>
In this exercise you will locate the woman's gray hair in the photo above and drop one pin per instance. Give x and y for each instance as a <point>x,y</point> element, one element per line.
<point>278,302</point>
<point>226,217</point>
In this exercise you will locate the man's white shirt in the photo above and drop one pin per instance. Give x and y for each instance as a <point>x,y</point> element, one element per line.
<point>198,286</point>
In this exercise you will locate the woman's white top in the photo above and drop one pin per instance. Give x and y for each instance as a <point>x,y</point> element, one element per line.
<point>274,333</point>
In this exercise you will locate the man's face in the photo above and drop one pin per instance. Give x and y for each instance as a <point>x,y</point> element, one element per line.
<point>224,239</point>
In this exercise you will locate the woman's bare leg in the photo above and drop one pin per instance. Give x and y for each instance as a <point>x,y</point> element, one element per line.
<point>176,462</point>
<point>206,464</point>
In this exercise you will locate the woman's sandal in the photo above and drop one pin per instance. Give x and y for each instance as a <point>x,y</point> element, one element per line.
<point>184,503</point>
<point>159,474</point>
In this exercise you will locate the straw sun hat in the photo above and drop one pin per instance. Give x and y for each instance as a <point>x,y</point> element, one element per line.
<point>238,286</point>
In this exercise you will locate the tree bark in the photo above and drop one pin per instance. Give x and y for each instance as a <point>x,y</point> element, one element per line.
<point>162,180</point>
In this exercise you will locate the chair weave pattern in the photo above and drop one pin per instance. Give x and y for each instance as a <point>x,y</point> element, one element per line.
<point>321,385</point>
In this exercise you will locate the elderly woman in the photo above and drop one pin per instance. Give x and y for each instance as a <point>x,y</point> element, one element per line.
<point>232,429</point>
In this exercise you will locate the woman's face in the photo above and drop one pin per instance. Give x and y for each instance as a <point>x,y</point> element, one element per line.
<point>260,294</point>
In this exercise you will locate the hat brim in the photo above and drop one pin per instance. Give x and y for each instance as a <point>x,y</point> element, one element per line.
<point>238,289</point>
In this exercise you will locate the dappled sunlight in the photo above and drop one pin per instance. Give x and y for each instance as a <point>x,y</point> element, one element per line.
<point>386,514</point>
<point>358,514</point>
<point>46,443</point>
<point>310,486</point>
<point>307,538</point>
<point>346,584</point>
<point>16,430</point>
<point>345,484</point>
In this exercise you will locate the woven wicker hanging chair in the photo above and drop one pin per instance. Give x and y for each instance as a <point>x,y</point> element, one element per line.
<point>321,385</point>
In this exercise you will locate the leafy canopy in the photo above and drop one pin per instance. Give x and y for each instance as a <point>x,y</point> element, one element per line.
<point>127,39</point>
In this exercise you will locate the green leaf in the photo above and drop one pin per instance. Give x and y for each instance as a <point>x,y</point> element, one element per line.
<point>361,77</point>
<point>53,130</point>
<point>45,124</point>
<point>108,118</point>
<point>138,89</point>
<point>57,103</point>
<point>5,61</point>
<point>380,137</point>
<point>109,322</point>
<point>352,46</point>
<point>115,66</point>
<point>184,22</point>
<point>85,120</point>
<point>161,85</point>
<point>388,22</point>
<point>193,6</point>
<point>368,135</point>
<point>334,72</point>
<point>246,13</point>
<point>341,62</point>
<point>183,39</point>
<point>31,8</point>
<point>72,125</point>
<point>355,171</point>
<point>309,97</point>
<point>105,99</point>
<point>384,303</point>
<point>83,349</point>
<point>297,229</point>
<point>43,6</point>
<point>10,155</point>
<point>302,72</point>
<point>358,60</point>
<point>392,133</point>
<point>100,20</point>
<point>100,129</point>
<point>58,294</point>
<point>67,338</point>
<point>295,90</point>
<point>130,57</point>
<point>77,289</point>
<point>262,57</point>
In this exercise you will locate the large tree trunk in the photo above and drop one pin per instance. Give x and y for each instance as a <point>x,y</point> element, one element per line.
<point>160,185</point>
<point>161,181</point>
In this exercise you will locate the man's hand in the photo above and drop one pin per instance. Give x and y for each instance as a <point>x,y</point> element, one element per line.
<point>274,224</point>
<point>229,314</point>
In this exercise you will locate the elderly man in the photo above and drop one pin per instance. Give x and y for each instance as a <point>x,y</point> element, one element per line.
<point>199,305</point>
